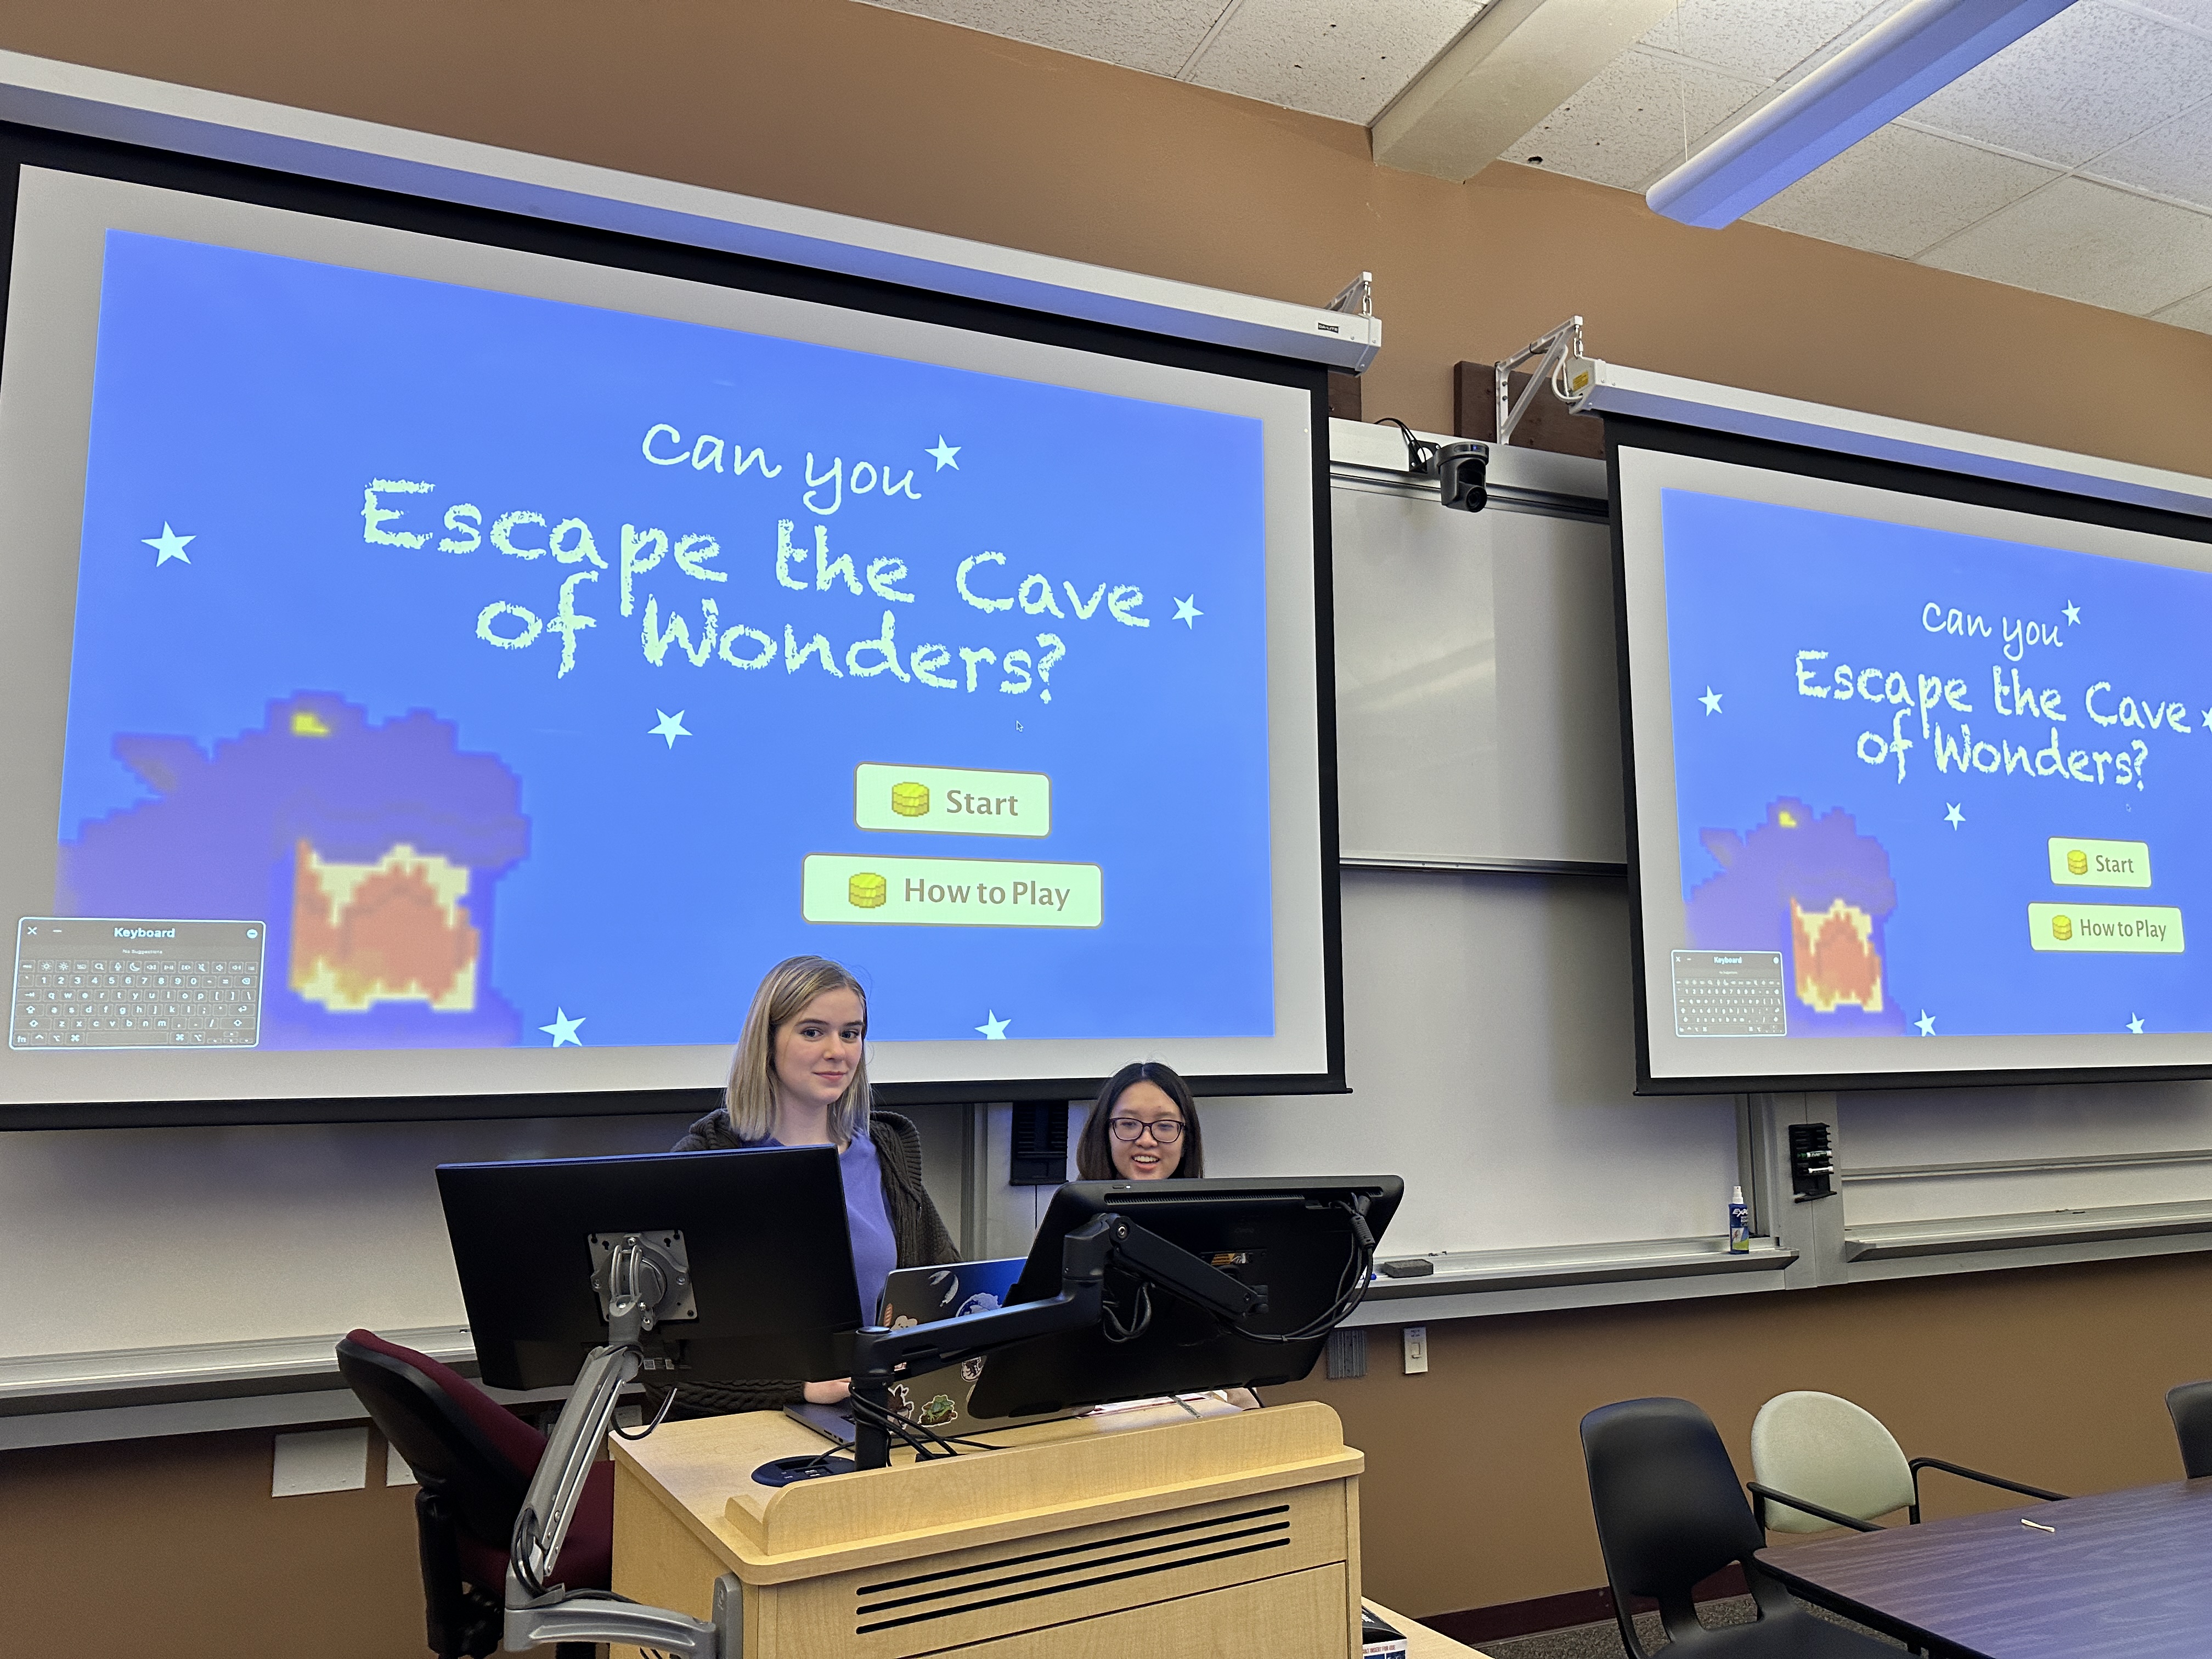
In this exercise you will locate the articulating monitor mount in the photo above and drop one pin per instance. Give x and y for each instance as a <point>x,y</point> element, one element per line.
<point>879,1356</point>
<point>643,1281</point>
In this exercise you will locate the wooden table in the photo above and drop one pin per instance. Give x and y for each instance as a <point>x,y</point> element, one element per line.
<point>2126,1575</point>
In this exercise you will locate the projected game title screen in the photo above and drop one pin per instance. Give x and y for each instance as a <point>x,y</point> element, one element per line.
<point>1932,784</point>
<point>455,669</point>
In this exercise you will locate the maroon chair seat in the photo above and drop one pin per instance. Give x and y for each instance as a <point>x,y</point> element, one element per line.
<point>586,1555</point>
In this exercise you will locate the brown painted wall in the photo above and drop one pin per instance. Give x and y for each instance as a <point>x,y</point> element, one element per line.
<point>1475,1492</point>
<point>2055,1376</point>
<point>175,1548</point>
<point>845,106</point>
<point>1473,1495</point>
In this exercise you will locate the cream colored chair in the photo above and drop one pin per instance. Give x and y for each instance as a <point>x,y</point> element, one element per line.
<point>1820,1462</point>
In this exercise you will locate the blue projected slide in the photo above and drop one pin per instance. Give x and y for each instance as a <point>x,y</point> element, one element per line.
<point>535,674</point>
<point>1960,784</point>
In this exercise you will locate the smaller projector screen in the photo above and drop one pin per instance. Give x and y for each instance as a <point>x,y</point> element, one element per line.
<point>1921,768</point>
<point>442,671</point>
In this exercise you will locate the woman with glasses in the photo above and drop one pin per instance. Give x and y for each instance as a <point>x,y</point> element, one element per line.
<point>1143,1128</point>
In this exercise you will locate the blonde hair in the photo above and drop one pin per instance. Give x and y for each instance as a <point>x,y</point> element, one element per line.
<point>750,1097</point>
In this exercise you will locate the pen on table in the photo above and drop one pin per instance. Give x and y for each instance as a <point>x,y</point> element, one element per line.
<point>2037,1525</point>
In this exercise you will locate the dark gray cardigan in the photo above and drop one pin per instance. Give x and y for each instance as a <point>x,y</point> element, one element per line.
<point>916,1228</point>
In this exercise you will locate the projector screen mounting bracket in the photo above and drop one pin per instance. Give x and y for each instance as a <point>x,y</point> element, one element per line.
<point>1556,349</point>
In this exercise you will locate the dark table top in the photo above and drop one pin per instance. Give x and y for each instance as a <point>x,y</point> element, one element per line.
<point>2126,1575</point>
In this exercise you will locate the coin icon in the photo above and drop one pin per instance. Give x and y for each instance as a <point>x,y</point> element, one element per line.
<point>910,800</point>
<point>2062,927</point>
<point>868,891</point>
<point>2077,861</point>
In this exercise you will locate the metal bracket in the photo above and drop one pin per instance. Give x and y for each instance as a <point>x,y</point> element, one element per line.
<point>1555,349</point>
<point>584,1616</point>
<point>1357,297</point>
<point>660,1254</point>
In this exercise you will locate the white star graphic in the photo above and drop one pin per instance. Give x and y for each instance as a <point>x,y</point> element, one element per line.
<point>2073,613</point>
<point>944,452</point>
<point>2207,719</point>
<point>2136,1024</point>
<point>1187,611</point>
<point>563,1028</point>
<point>1711,700</point>
<point>1926,1023</point>
<point>993,1027</point>
<point>1954,817</point>
<point>169,544</point>
<point>671,727</point>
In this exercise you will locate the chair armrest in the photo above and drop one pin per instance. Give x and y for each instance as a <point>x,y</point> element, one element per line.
<point>1960,1470</point>
<point>1768,1495</point>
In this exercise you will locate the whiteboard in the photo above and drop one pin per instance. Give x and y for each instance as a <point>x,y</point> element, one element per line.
<point>1489,1052</point>
<point>1933,1133</point>
<point>1478,700</point>
<point>153,1238</point>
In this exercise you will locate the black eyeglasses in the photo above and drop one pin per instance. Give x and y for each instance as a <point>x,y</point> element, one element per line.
<point>1167,1131</point>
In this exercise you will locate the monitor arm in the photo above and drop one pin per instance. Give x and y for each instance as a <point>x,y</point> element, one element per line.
<point>879,1356</point>
<point>641,1281</point>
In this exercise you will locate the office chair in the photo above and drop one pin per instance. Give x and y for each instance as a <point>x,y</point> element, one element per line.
<point>1669,1514</point>
<point>474,1459</point>
<point>1819,1462</point>
<point>2190,1404</point>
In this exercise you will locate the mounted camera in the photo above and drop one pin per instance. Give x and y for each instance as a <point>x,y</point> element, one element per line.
<point>1460,468</point>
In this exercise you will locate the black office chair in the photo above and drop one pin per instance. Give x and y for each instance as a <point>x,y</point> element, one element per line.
<point>2190,1406</point>
<point>474,1458</point>
<point>1670,1515</point>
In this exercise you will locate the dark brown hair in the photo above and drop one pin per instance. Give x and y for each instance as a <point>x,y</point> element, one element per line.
<point>1094,1155</point>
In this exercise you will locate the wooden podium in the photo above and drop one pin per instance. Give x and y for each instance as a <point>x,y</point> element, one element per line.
<point>1230,1536</point>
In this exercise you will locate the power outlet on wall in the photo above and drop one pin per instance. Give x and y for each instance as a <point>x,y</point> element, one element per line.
<point>1417,1349</point>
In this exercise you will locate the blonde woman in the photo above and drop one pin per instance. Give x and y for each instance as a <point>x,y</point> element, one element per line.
<point>800,1078</point>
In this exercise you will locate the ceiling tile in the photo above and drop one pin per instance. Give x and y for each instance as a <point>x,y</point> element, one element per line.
<point>1765,38</point>
<point>2195,311</point>
<point>2091,78</point>
<point>1157,36</point>
<point>2086,241</point>
<point>1343,59</point>
<point>1899,192</point>
<point>2174,159</point>
<point>1627,125</point>
<point>2199,12</point>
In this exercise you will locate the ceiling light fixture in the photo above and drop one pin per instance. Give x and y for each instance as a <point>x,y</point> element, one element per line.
<point>1924,47</point>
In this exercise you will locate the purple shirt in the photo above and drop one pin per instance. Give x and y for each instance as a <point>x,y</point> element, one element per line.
<point>875,1249</point>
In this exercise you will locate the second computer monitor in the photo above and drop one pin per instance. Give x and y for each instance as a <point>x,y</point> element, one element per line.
<point>1293,1239</point>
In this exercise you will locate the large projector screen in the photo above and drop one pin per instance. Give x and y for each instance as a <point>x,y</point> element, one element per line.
<point>452,673</point>
<point>1921,768</point>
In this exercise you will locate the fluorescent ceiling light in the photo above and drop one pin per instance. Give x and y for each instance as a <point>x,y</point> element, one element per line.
<point>1924,47</point>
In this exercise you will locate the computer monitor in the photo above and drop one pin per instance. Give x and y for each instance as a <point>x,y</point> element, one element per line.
<point>1293,1239</point>
<point>758,1236</point>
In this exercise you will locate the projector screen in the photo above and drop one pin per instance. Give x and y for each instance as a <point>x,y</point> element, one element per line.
<point>449,672</point>
<point>1920,767</point>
